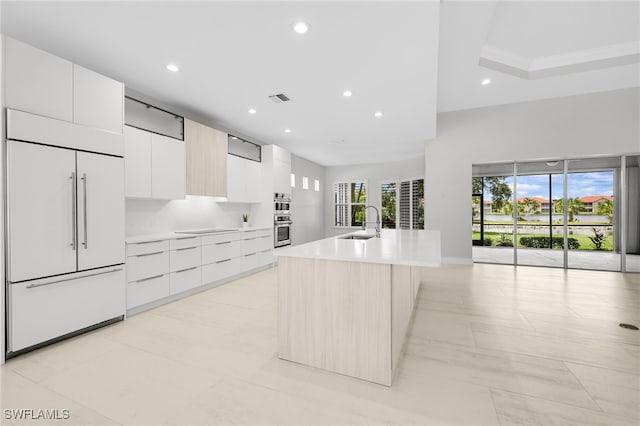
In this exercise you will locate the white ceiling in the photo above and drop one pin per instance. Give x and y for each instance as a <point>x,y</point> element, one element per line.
<point>234,55</point>
<point>402,58</point>
<point>531,31</point>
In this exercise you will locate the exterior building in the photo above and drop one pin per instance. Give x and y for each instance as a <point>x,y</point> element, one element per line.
<point>591,202</point>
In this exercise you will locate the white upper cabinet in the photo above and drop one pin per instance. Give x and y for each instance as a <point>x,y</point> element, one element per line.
<point>38,82</point>
<point>244,180</point>
<point>98,101</point>
<point>137,162</point>
<point>154,165</point>
<point>167,168</point>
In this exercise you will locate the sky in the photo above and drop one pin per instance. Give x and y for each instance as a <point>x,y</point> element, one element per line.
<point>579,185</point>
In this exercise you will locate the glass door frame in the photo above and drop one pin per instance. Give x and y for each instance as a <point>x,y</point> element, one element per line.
<point>619,196</point>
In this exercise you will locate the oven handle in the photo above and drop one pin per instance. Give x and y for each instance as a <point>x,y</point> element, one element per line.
<point>287,222</point>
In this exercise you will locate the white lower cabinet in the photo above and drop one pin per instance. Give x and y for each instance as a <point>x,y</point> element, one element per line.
<point>161,268</point>
<point>184,258</point>
<point>147,290</point>
<point>185,279</point>
<point>45,309</point>
<point>147,265</point>
<point>221,270</point>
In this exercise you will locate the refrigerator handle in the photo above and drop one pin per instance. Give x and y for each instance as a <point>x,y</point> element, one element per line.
<point>84,208</point>
<point>74,196</point>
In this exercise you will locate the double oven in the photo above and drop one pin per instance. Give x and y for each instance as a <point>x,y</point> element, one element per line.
<point>282,219</point>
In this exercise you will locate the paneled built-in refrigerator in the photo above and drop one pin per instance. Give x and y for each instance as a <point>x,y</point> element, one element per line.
<point>65,247</point>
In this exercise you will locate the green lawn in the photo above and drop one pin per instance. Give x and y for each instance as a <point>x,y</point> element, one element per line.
<point>585,242</point>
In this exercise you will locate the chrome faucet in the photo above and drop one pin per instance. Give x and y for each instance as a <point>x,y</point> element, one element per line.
<point>364,222</point>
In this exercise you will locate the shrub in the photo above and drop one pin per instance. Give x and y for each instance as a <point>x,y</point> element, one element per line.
<point>488,241</point>
<point>543,242</point>
<point>504,240</point>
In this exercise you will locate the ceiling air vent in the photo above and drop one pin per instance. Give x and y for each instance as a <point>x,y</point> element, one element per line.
<point>279,98</point>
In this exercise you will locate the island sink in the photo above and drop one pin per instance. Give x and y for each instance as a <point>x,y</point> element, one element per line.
<point>357,237</point>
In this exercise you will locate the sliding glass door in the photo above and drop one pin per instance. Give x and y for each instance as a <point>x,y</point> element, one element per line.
<point>594,214</point>
<point>539,218</point>
<point>632,222</point>
<point>492,219</point>
<point>577,213</point>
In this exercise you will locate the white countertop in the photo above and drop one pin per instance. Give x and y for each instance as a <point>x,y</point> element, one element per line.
<point>398,247</point>
<point>179,234</point>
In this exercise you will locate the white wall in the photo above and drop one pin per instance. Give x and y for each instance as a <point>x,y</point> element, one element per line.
<point>2,198</point>
<point>374,175</point>
<point>307,210</point>
<point>595,124</point>
<point>153,216</point>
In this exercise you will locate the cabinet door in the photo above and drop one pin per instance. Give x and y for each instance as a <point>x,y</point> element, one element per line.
<point>137,162</point>
<point>167,168</point>
<point>281,176</point>
<point>41,204</point>
<point>235,178</point>
<point>98,101</point>
<point>37,82</point>
<point>206,151</point>
<point>253,180</point>
<point>100,210</point>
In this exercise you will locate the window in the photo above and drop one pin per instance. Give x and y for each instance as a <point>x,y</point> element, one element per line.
<point>316,185</point>
<point>293,180</point>
<point>349,202</point>
<point>388,196</point>
<point>243,148</point>
<point>403,204</point>
<point>305,182</point>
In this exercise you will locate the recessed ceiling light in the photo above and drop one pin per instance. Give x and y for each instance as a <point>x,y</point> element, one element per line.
<point>486,81</point>
<point>252,111</point>
<point>378,114</point>
<point>287,130</point>
<point>347,93</point>
<point>300,27</point>
<point>173,67</point>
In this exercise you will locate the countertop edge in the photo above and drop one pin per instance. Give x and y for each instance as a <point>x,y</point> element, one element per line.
<point>175,235</point>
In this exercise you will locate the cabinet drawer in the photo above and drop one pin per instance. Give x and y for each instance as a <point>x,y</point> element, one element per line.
<point>218,238</point>
<point>185,279</point>
<point>221,269</point>
<point>221,251</point>
<point>45,309</point>
<point>147,290</point>
<point>255,245</point>
<point>266,257</point>
<point>147,265</point>
<point>184,258</point>
<point>134,249</point>
<point>264,233</point>
<point>185,242</point>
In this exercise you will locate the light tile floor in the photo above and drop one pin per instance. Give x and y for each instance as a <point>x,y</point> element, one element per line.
<point>489,345</point>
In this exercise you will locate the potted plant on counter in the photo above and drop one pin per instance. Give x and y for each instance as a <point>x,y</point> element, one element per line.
<point>245,220</point>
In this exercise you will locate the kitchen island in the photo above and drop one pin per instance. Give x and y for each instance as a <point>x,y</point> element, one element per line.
<point>345,303</point>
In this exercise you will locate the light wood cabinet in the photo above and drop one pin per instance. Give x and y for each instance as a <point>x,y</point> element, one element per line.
<point>37,81</point>
<point>98,101</point>
<point>206,153</point>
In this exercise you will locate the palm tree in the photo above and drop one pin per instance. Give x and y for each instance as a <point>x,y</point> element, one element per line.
<point>574,206</point>
<point>606,209</point>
